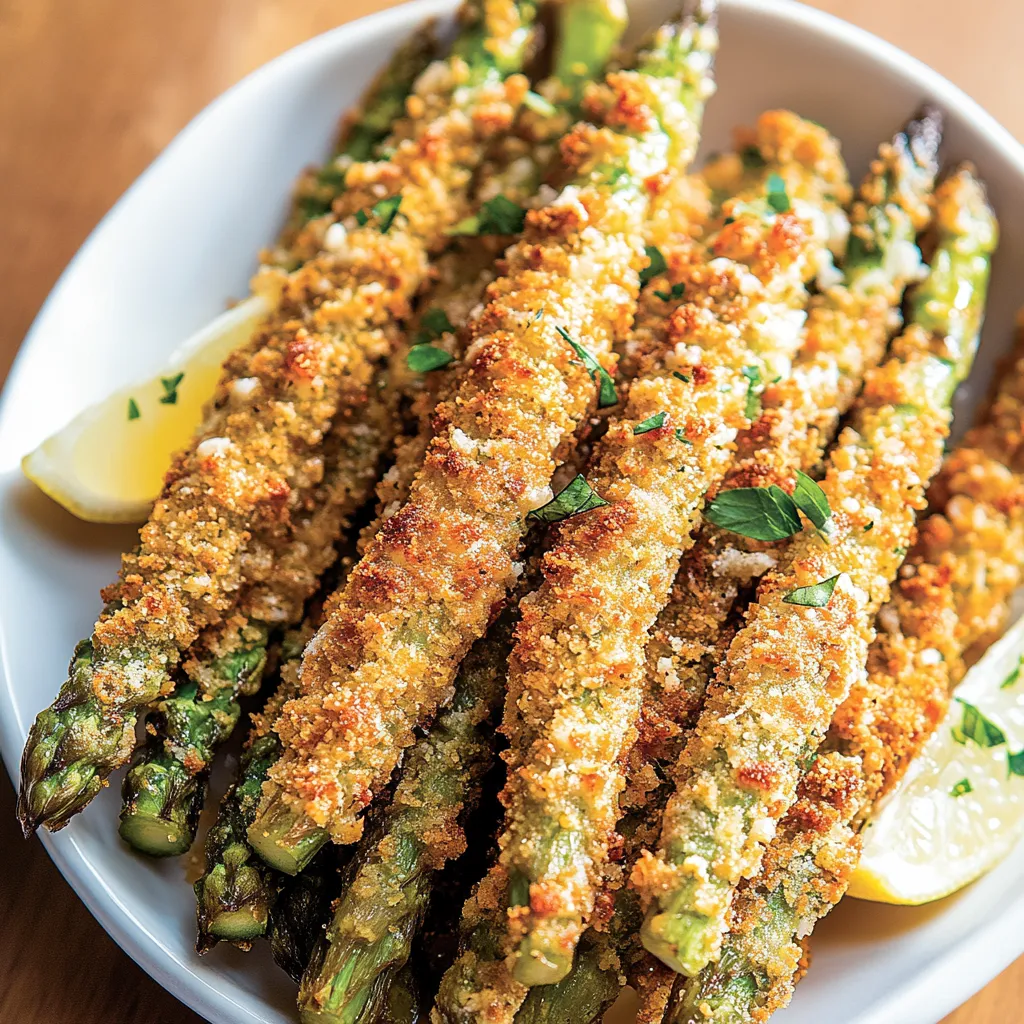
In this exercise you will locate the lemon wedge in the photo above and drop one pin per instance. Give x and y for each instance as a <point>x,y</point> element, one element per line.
<point>960,807</point>
<point>107,465</point>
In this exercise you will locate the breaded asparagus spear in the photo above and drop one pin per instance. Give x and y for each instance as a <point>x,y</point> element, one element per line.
<point>370,936</point>
<point>953,592</point>
<point>806,638</point>
<point>231,497</point>
<point>847,330</point>
<point>163,792</point>
<point>236,890</point>
<point>577,672</point>
<point>427,583</point>
<point>512,175</point>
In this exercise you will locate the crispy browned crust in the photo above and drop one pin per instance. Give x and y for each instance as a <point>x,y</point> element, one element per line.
<point>255,464</point>
<point>791,665</point>
<point>427,584</point>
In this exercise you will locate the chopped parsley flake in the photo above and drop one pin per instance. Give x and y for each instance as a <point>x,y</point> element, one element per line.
<point>576,497</point>
<point>962,788</point>
<point>677,292</point>
<point>498,216</point>
<point>425,357</point>
<point>681,376</point>
<point>386,211</point>
<point>751,157</point>
<point>1015,763</point>
<point>1012,678</point>
<point>754,389</point>
<point>170,386</point>
<point>681,436</point>
<point>769,513</point>
<point>817,595</point>
<point>760,513</point>
<point>651,423</point>
<point>535,102</point>
<point>811,500</point>
<point>433,324</point>
<point>655,265</point>
<point>133,409</point>
<point>777,196</point>
<point>606,392</point>
<point>977,728</point>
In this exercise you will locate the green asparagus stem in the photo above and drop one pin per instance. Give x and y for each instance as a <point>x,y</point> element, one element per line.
<point>300,912</point>
<point>163,792</point>
<point>740,770</point>
<point>370,936</point>
<point>676,65</point>
<point>282,840</point>
<point>362,134</point>
<point>236,890</point>
<point>87,733</point>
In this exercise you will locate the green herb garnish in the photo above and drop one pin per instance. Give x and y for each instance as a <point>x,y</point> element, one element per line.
<point>753,407</point>
<point>681,437</point>
<point>778,197</point>
<point>681,376</point>
<point>760,513</point>
<point>655,265</point>
<point>976,727</point>
<point>425,357</point>
<point>170,386</point>
<point>606,392</point>
<point>1015,763</point>
<point>962,788</point>
<point>817,595</point>
<point>1013,676</point>
<point>433,324</point>
<point>498,216</point>
<point>651,423</point>
<point>576,497</point>
<point>386,211</point>
<point>811,500</point>
<point>677,292</point>
<point>133,409</point>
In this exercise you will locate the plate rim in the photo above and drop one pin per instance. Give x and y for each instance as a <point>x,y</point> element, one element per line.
<point>928,994</point>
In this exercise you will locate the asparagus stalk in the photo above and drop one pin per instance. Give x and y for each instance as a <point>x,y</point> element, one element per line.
<point>426,585</point>
<point>252,464</point>
<point>514,177</point>
<point>941,608</point>
<point>300,912</point>
<point>577,673</point>
<point>808,632</point>
<point>236,891</point>
<point>479,978</point>
<point>847,330</point>
<point>164,790</point>
<point>362,133</point>
<point>370,936</point>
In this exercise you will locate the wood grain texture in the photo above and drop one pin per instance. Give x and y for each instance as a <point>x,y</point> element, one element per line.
<point>90,92</point>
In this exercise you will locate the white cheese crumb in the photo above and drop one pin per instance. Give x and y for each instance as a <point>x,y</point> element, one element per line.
<point>743,565</point>
<point>212,446</point>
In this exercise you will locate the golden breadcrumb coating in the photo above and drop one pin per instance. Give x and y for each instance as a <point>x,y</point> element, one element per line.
<point>256,459</point>
<point>576,674</point>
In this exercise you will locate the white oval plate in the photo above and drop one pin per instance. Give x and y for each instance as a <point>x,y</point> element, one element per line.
<point>182,241</point>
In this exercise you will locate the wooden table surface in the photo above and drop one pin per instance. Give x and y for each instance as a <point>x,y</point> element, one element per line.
<point>90,92</point>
